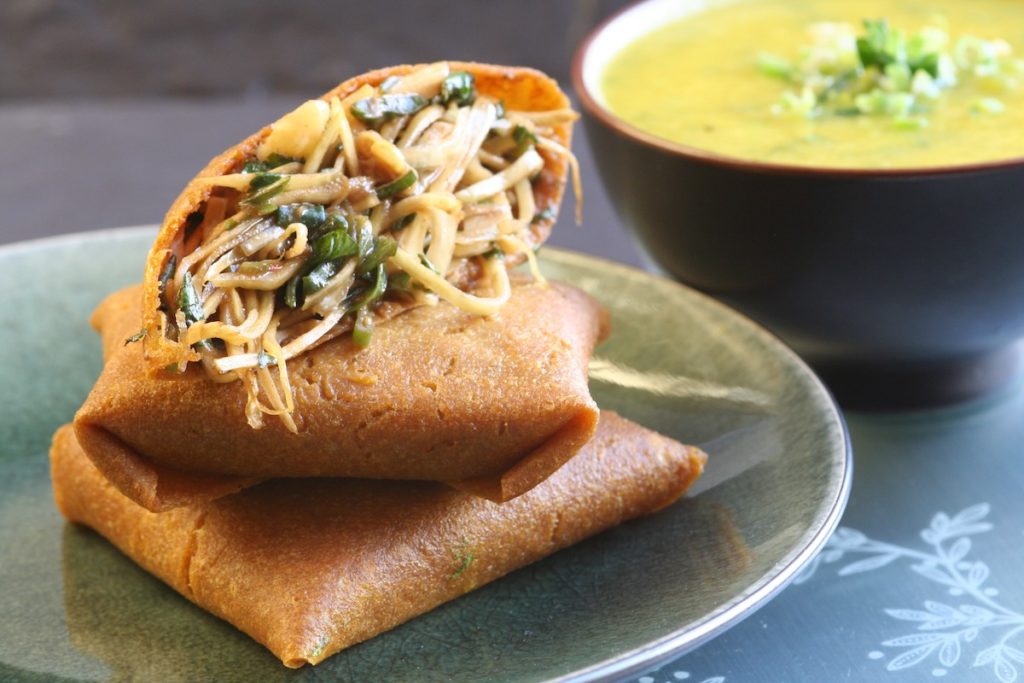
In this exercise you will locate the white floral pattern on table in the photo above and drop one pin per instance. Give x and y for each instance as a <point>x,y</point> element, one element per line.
<point>945,633</point>
<point>680,676</point>
<point>948,632</point>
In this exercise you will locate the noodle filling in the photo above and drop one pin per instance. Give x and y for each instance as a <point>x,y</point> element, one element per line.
<point>352,210</point>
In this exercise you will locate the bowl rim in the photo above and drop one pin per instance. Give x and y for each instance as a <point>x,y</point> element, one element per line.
<point>625,129</point>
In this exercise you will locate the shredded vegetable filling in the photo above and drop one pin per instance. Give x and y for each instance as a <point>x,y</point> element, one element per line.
<point>396,195</point>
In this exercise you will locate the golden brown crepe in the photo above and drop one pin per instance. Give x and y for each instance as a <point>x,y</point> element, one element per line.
<point>493,405</point>
<point>517,88</point>
<point>309,567</point>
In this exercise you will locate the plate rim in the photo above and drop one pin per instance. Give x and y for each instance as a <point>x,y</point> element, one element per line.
<point>756,595</point>
<point>783,572</point>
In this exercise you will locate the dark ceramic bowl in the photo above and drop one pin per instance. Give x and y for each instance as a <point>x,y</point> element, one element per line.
<point>903,287</point>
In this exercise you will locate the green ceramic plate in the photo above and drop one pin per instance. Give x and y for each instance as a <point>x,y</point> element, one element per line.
<point>73,608</point>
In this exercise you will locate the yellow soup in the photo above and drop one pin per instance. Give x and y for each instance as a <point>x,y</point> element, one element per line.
<point>695,81</point>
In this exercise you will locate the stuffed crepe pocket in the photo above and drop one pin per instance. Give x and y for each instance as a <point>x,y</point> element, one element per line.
<point>397,188</point>
<point>310,567</point>
<point>491,404</point>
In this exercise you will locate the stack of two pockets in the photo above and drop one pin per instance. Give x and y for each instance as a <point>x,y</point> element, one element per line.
<point>448,452</point>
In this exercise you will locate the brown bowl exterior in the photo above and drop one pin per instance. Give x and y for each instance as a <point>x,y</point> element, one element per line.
<point>856,268</point>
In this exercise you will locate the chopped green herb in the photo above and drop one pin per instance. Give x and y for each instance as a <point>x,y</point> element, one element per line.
<point>545,214</point>
<point>496,252</point>
<point>336,221</point>
<point>333,245</point>
<point>259,201</point>
<point>464,556</point>
<point>319,647</point>
<point>383,248</point>
<point>259,267</point>
<point>389,83</point>
<point>204,345</point>
<point>189,302</point>
<point>318,278</point>
<point>896,104</point>
<point>166,274</point>
<point>499,109</point>
<point>402,223</point>
<point>401,282</point>
<point>138,336</point>
<point>313,216</point>
<point>275,160</point>
<point>880,47</point>
<point>988,105</point>
<point>362,231</point>
<point>775,66</point>
<point>263,179</point>
<point>426,262</point>
<point>524,139</point>
<point>255,166</point>
<point>886,72</point>
<point>380,285</point>
<point>362,330</point>
<point>910,122</point>
<point>397,185</point>
<point>375,110</point>
<point>265,360</point>
<point>458,86</point>
<point>293,292</point>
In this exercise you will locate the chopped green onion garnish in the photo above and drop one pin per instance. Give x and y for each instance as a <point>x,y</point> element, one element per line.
<point>887,72</point>
<point>400,281</point>
<point>362,330</point>
<point>293,292</point>
<point>397,185</point>
<point>374,293</point>
<point>426,262</point>
<point>524,139</point>
<point>879,102</point>
<point>374,110</point>
<point>496,252</point>
<point>388,83</point>
<point>135,337</point>
<point>879,47</point>
<point>402,223</point>
<point>775,66</point>
<point>255,166</point>
<point>265,360</point>
<point>383,248</point>
<point>189,302</point>
<point>458,86</point>
<point>318,278</point>
<point>166,274</point>
<point>333,245</point>
<point>362,230</point>
<point>311,215</point>
<point>988,105</point>
<point>275,160</point>
<point>499,109</point>
<point>263,179</point>
<point>260,201</point>
<point>205,344</point>
<point>465,559</point>
<point>910,122</point>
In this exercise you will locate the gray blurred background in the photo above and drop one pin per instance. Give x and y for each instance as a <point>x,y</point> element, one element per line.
<point>110,106</point>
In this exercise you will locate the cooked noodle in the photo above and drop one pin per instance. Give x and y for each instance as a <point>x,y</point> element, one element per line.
<point>296,248</point>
